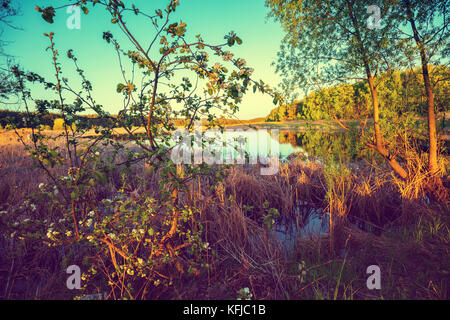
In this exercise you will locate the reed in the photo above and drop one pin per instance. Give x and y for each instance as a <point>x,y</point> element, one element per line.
<point>375,220</point>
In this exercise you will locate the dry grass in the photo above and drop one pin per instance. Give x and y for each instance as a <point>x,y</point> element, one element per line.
<point>247,253</point>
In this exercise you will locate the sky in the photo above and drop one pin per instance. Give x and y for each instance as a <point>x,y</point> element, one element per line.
<point>212,19</point>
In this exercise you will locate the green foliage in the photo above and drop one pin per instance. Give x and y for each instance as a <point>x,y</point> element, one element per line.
<point>269,218</point>
<point>44,127</point>
<point>401,93</point>
<point>134,241</point>
<point>48,13</point>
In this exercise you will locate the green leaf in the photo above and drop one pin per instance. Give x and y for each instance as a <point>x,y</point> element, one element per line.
<point>275,100</point>
<point>120,87</point>
<point>74,195</point>
<point>48,14</point>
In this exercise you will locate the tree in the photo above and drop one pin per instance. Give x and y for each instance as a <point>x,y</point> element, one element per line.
<point>7,11</point>
<point>143,238</point>
<point>330,41</point>
<point>430,31</point>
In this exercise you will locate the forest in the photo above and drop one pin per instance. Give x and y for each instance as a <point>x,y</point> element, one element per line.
<point>402,93</point>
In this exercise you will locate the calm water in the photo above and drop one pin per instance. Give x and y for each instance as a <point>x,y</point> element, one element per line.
<point>256,146</point>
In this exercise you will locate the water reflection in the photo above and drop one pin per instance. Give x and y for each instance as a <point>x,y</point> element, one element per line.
<point>338,145</point>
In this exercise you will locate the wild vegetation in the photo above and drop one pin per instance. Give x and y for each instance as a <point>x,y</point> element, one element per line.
<point>142,227</point>
<point>402,95</point>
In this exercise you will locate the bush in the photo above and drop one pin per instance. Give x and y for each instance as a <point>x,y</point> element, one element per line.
<point>45,127</point>
<point>58,124</point>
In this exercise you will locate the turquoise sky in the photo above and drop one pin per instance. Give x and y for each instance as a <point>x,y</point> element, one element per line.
<point>212,19</point>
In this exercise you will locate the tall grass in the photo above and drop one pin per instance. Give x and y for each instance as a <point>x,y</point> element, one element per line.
<point>375,219</point>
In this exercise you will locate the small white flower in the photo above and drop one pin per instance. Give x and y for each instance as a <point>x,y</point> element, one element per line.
<point>13,234</point>
<point>33,207</point>
<point>3,212</point>
<point>112,236</point>
<point>15,224</point>
<point>91,214</point>
<point>41,186</point>
<point>89,222</point>
<point>26,220</point>
<point>62,220</point>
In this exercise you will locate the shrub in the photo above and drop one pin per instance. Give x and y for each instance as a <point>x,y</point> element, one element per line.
<point>45,127</point>
<point>58,124</point>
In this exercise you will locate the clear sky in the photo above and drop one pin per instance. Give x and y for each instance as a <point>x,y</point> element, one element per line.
<point>210,18</point>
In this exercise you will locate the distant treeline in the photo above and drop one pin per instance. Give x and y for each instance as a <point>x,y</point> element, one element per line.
<point>21,120</point>
<point>399,92</point>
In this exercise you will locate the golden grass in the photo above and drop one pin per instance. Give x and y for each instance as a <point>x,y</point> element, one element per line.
<point>248,254</point>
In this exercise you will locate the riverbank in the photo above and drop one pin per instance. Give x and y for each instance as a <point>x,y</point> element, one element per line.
<point>376,220</point>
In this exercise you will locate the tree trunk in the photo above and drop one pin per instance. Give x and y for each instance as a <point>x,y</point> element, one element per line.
<point>378,137</point>
<point>432,156</point>
<point>379,145</point>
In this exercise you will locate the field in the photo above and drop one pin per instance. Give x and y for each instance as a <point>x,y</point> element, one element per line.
<point>376,219</point>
